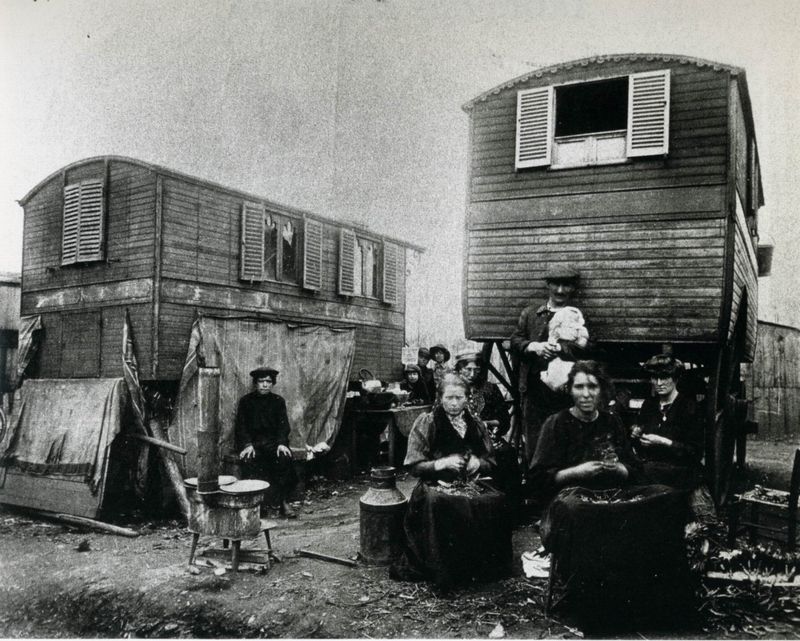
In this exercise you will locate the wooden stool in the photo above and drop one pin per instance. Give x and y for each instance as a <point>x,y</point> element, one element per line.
<point>236,552</point>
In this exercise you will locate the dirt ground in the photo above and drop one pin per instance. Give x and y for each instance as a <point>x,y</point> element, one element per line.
<point>60,581</point>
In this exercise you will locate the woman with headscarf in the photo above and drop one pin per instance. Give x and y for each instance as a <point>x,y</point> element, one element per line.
<point>486,402</point>
<point>456,528</point>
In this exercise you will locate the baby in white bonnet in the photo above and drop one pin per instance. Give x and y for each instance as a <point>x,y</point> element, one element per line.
<point>567,324</point>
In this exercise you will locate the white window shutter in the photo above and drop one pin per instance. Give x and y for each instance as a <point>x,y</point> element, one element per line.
<point>391,258</point>
<point>648,113</point>
<point>312,254</point>
<point>251,255</point>
<point>534,127</point>
<point>71,224</point>
<point>347,265</point>
<point>92,217</point>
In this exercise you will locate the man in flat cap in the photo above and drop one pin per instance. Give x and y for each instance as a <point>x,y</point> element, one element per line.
<point>262,437</point>
<point>530,346</point>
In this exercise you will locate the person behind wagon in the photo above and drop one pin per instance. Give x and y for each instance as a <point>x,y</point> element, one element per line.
<point>668,436</point>
<point>618,545</point>
<point>426,373</point>
<point>440,355</point>
<point>455,528</point>
<point>415,386</point>
<point>486,402</point>
<point>262,437</point>
<point>531,347</point>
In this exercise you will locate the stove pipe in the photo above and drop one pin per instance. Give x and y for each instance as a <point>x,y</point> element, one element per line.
<point>207,417</point>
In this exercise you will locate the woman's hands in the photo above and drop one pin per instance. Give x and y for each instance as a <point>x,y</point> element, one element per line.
<point>456,464</point>
<point>649,440</point>
<point>590,471</point>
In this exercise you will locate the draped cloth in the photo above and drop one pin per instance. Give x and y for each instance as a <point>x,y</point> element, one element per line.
<point>313,360</point>
<point>63,428</point>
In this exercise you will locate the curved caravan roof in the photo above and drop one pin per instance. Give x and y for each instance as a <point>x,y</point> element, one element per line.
<point>606,60</point>
<point>159,169</point>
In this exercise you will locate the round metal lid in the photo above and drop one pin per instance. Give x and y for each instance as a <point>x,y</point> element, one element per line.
<point>222,479</point>
<point>249,486</point>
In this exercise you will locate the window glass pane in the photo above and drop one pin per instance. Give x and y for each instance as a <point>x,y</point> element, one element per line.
<point>592,107</point>
<point>270,247</point>
<point>289,236</point>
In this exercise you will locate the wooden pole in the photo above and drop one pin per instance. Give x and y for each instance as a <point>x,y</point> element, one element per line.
<point>82,521</point>
<point>157,443</point>
<point>171,468</point>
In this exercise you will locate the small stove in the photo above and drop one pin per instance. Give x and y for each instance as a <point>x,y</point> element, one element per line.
<point>230,512</point>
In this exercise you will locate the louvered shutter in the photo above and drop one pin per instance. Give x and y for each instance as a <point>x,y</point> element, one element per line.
<point>347,264</point>
<point>251,255</point>
<point>391,258</point>
<point>90,238</point>
<point>70,224</point>
<point>82,230</point>
<point>648,113</point>
<point>534,127</point>
<point>312,254</point>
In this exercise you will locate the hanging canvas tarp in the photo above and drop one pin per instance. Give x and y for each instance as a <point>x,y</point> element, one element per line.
<point>313,360</point>
<point>54,455</point>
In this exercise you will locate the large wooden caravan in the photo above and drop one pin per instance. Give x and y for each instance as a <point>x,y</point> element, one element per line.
<point>109,233</point>
<point>643,172</point>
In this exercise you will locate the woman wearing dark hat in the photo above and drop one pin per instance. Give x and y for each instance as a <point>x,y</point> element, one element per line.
<point>440,355</point>
<point>262,436</point>
<point>415,386</point>
<point>425,372</point>
<point>668,435</point>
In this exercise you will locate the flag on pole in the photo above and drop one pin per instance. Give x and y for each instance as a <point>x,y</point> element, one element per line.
<point>130,372</point>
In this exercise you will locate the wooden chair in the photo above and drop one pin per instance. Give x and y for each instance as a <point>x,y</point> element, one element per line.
<point>775,521</point>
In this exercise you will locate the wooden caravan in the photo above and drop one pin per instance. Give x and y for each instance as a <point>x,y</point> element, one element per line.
<point>642,171</point>
<point>107,233</point>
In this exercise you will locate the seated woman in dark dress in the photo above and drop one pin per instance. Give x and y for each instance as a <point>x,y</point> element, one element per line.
<point>618,546</point>
<point>668,436</point>
<point>456,529</point>
<point>487,403</point>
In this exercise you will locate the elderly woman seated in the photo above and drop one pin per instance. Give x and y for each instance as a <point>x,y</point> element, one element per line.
<point>457,528</point>
<point>619,547</point>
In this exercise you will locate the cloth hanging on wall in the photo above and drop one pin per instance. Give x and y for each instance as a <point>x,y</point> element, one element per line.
<point>313,360</point>
<point>27,345</point>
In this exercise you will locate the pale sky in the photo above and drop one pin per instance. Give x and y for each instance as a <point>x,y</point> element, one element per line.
<point>352,108</point>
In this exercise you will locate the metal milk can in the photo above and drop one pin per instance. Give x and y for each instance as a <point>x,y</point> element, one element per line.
<point>382,509</point>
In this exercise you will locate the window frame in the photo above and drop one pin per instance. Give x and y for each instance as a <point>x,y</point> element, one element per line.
<point>281,219</point>
<point>533,125</point>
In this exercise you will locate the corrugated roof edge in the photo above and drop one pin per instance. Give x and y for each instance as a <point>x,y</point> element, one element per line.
<point>601,59</point>
<point>215,185</point>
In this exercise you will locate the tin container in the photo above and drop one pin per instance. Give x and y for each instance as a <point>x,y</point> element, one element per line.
<point>382,509</point>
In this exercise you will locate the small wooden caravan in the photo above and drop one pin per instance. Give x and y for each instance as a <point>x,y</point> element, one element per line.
<point>643,172</point>
<point>107,233</point>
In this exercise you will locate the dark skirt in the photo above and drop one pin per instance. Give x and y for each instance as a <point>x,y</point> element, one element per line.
<point>623,561</point>
<point>451,539</point>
